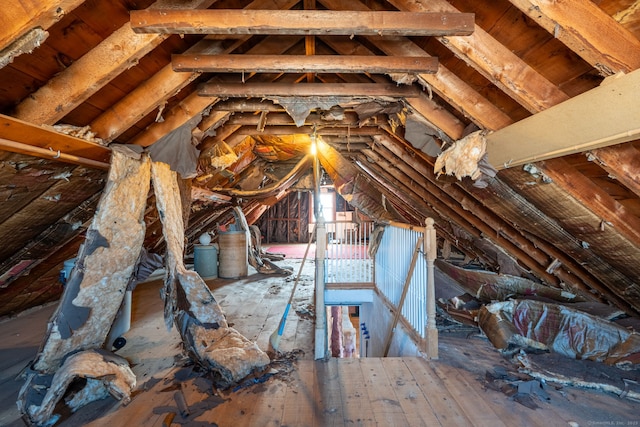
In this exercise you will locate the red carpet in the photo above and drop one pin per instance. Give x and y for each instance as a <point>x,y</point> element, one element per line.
<point>296,251</point>
<point>293,250</point>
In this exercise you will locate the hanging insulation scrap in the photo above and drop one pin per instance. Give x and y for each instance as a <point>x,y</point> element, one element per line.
<point>462,158</point>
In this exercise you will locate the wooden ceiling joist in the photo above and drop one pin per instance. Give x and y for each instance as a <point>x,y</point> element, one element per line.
<point>257,90</point>
<point>308,130</point>
<point>303,64</point>
<point>301,22</point>
<point>279,119</point>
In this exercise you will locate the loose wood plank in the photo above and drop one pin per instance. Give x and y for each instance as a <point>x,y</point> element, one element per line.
<point>22,137</point>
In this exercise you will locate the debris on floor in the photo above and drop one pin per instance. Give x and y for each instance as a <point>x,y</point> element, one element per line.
<point>549,334</point>
<point>526,324</point>
<point>104,373</point>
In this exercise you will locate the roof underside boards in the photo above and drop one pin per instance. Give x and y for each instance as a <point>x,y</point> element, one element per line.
<point>253,97</point>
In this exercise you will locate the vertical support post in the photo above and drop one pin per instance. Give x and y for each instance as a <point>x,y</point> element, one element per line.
<point>321,347</point>
<point>431,252</point>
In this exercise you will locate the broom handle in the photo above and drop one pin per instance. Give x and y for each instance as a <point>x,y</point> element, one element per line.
<point>295,284</point>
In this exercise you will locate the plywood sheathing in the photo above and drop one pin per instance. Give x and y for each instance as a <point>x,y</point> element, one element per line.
<point>44,253</point>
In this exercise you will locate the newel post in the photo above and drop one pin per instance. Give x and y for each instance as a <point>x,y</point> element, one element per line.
<point>431,252</point>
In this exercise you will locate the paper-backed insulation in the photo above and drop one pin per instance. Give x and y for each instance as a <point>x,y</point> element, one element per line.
<point>96,287</point>
<point>189,302</point>
<point>516,324</point>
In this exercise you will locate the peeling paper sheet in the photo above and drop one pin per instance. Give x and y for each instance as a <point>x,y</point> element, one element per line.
<point>299,107</point>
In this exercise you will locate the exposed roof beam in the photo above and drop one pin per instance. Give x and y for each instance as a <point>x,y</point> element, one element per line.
<point>581,24</point>
<point>92,71</point>
<point>601,117</point>
<point>281,118</point>
<point>188,108</point>
<point>308,130</point>
<point>18,17</point>
<point>257,90</point>
<point>301,22</point>
<point>621,162</point>
<point>248,105</point>
<point>494,61</point>
<point>303,64</point>
<point>21,137</point>
<point>166,83</point>
<point>437,116</point>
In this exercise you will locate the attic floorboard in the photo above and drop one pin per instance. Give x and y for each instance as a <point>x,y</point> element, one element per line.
<point>365,392</point>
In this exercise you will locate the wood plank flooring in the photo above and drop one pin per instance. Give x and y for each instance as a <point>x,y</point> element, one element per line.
<point>303,392</point>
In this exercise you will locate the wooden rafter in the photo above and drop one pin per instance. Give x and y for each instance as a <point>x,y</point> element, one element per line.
<point>176,117</point>
<point>300,22</point>
<point>18,17</point>
<point>303,64</point>
<point>581,24</point>
<point>621,162</point>
<point>84,77</point>
<point>257,90</point>
<point>488,56</point>
<point>165,83</point>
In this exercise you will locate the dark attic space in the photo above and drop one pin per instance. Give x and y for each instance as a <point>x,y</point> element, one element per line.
<point>320,212</point>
